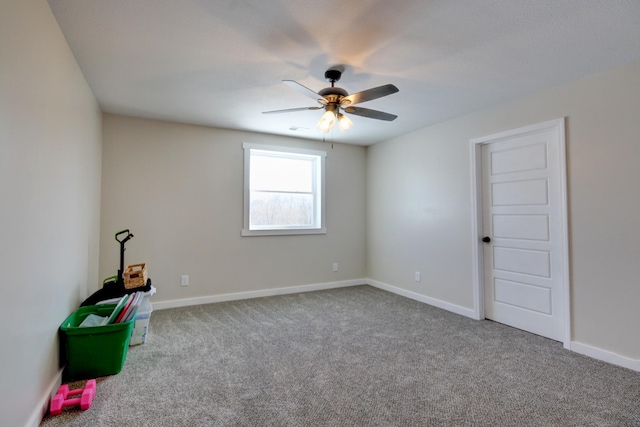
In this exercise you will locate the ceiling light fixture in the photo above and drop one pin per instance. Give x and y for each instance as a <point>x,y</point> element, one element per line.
<point>328,119</point>
<point>344,122</point>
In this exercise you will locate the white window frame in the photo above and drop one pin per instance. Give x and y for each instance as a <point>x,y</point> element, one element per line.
<point>319,226</point>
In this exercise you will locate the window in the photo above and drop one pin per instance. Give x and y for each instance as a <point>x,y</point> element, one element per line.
<point>283,190</point>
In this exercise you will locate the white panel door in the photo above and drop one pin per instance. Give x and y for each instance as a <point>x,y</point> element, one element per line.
<point>523,226</point>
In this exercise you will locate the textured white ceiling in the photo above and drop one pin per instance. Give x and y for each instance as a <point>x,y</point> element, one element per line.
<point>221,62</point>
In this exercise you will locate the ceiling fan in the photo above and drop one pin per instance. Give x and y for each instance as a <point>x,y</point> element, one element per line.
<point>335,100</point>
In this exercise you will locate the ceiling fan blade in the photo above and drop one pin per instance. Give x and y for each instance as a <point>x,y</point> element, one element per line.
<point>369,94</point>
<point>305,91</point>
<point>291,110</point>
<point>372,114</point>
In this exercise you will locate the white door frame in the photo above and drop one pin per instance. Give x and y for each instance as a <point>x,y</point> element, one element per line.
<point>476,217</point>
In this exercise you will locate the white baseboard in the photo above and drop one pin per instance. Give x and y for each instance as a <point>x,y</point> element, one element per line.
<point>463,311</point>
<point>255,294</point>
<point>41,410</point>
<point>160,305</point>
<point>605,356</point>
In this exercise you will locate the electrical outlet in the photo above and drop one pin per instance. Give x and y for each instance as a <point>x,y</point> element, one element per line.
<point>418,276</point>
<point>184,280</point>
<point>335,266</point>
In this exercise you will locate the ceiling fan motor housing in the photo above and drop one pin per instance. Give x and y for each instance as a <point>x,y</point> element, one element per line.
<point>333,94</point>
<point>328,91</point>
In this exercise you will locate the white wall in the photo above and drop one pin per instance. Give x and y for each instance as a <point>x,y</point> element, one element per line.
<point>419,204</point>
<point>179,189</point>
<point>50,151</point>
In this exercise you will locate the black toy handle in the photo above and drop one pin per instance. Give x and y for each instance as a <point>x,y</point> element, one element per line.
<point>122,241</point>
<point>127,237</point>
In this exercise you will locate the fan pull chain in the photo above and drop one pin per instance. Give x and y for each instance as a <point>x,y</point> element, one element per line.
<point>324,139</point>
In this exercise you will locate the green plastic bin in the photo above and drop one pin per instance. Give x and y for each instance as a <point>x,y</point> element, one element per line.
<point>94,351</point>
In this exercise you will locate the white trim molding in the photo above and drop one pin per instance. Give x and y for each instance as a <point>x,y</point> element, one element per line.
<point>463,311</point>
<point>256,294</point>
<point>605,356</point>
<point>41,410</point>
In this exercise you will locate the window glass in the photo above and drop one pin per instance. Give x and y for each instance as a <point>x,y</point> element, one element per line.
<point>284,191</point>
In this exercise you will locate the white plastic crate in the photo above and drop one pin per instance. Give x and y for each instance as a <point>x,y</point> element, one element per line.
<point>141,324</point>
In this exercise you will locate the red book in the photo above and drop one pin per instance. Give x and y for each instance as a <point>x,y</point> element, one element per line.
<point>124,309</point>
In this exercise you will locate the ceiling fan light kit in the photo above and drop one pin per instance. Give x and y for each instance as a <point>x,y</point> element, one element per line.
<point>344,122</point>
<point>327,121</point>
<point>335,100</point>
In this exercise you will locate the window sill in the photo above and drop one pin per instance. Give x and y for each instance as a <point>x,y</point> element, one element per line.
<point>289,232</point>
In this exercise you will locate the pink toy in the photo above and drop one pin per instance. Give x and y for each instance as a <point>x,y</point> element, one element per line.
<point>60,400</point>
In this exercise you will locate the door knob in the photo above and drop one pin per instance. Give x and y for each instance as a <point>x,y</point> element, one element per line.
<point>486,239</point>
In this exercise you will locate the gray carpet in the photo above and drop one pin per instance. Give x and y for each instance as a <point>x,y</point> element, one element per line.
<point>352,357</point>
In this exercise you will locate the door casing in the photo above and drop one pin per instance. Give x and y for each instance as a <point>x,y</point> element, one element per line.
<point>476,220</point>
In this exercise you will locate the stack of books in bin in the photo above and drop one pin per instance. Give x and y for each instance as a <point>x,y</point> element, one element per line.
<point>124,311</point>
<point>141,316</point>
<point>126,308</point>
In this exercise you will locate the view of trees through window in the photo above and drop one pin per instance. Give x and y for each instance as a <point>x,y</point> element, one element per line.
<point>283,189</point>
<point>281,209</point>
